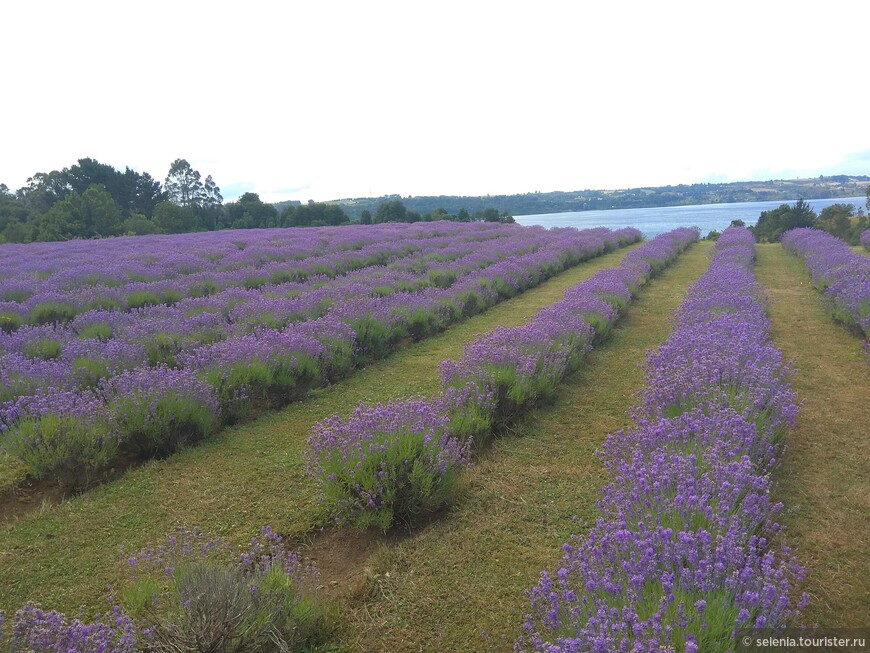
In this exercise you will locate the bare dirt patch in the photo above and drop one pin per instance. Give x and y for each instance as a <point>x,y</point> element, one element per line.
<point>28,496</point>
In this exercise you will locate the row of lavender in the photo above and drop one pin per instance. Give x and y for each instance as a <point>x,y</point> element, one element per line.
<point>100,343</point>
<point>166,318</point>
<point>842,274</point>
<point>71,402</point>
<point>682,554</point>
<point>401,460</point>
<point>119,262</point>
<point>130,274</point>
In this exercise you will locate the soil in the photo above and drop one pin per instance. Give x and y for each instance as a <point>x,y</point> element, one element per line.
<point>344,556</point>
<point>30,495</point>
<point>27,497</point>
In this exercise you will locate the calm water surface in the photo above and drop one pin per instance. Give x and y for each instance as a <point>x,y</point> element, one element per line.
<point>661,219</point>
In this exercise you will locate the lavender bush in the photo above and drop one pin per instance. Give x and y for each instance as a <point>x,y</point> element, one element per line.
<point>262,370</point>
<point>865,239</point>
<point>51,312</point>
<point>387,463</point>
<point>195,594</point>
<point>65,435</point>
<point>157,410</point>
<point>521,366</point>
<point>10,321</point>
<point>681,555</point>
<point>199,594</point>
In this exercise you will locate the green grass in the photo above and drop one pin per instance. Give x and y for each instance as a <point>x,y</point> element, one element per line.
<point>824,479</point>
<point>466,574</point>
<point>65,555</point>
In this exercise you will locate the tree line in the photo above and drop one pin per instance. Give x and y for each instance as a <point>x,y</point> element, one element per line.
<point>94,200</point>
<point>842,220</point>
<point>822,187</point>
<point>396,211</point>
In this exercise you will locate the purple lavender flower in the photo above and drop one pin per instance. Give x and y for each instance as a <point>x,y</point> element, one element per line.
<point>40,631</point>
<point>399,460</point>
<point>68,435</point>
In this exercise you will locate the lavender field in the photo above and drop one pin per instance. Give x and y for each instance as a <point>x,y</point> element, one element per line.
<point>427,416</point>
<point>138,346</point>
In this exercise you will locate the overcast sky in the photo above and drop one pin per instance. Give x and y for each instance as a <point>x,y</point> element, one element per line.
<point>325,100</point>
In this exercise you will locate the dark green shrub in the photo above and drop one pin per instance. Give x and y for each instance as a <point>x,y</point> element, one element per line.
<point>96,331</point>
<point>211,598</point>
<point>89,371</point>
<point>203,288</point>
<point>162,348</point>
<point>70,449</point>
<point>142,298</point>
<point>442,278</point>
<point>43,348</point>
<point>52,312</point>
<point>16,295</point>
<point>9,322</point>
<point>159,425</point>
<point>255,281</point>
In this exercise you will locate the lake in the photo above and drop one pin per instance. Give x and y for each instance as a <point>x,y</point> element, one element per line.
<point>660,219</point>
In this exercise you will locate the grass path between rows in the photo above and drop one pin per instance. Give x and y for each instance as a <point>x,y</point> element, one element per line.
<point>65,555</point>
<point>824,479</point>
<point>458,584</point>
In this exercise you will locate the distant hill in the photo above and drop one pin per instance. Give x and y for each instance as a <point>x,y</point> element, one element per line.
<point>823,187</point>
